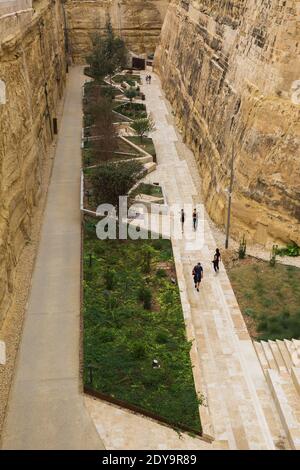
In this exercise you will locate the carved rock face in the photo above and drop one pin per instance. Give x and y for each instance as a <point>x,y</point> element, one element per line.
<point>31,66</point>
<point>139,23</point>
<point>230,70</point>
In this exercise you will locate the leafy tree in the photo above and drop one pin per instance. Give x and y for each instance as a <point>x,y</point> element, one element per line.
<point>109,53</point>
<point>143,126</point>
<point>131,93</point>
<point>112,180</point>
<point>103,127</point>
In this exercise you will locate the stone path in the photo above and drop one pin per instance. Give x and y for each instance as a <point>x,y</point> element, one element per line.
<point>121,429</point>
<point>240,408</point>
<point>46,409</point>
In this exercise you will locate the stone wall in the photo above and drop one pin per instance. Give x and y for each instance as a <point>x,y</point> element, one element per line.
<point>231,71</point>
<point>138,22</point>
<point>32,66</point>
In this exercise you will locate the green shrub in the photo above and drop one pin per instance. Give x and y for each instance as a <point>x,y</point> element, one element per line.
<point>266,302</point>
<point>250,312</point>
<point>262,325</point>
<point>291,250</point>
<point>242,248</point>
<point>145,296</point>
<point>258,286</point>
<point>161,337</point>
<point>109,277</point>
<point>106,335</point>
<point>161,273</point>
<point>138,350</point>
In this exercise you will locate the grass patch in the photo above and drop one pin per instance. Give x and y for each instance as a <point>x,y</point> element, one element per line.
<point>131,110</point>
<point>269,298</point>
<point>128,78</point>
<point>146,144</point>
<point>133,315</point>
<point>148,189</point>
<point>123,151</point>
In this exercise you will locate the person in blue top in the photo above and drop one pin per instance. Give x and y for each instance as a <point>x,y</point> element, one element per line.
<point>198,275</point>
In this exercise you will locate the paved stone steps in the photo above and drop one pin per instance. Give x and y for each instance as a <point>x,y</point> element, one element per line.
<point>278,355</point>
<point>285,354</point>
<point>278,360</point>
<point>287,401</point>
<point>295,373</point>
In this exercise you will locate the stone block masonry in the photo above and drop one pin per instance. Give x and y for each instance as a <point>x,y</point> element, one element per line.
<point>32,67</point>
<point>230,70</point>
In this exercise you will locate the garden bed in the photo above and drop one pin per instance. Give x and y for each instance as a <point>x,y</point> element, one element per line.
<point>148,189</point>
<point>128,78</point>
<point>145,144</point>
<point>269,298</point>
<point>123,151</point>
<point>131,110</point>
<point>132,315</point>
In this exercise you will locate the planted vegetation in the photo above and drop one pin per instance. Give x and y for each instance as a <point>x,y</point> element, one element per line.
<point>132,110</point>
<point>269,297</point>
<point>146,144</point>
<point>132,316</point>
<point>148,189</point>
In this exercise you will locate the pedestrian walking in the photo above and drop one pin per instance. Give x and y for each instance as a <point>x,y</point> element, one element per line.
<point>216,260</point>
<point>149,79</point>
<point>182,219</point>
<point>197,275</point>
<point>195,219</point>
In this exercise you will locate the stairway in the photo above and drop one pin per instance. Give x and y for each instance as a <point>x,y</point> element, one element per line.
<point>280,361</point>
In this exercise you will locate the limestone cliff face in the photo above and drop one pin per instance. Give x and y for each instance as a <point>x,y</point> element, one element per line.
<point>138,22</point>
<point>32,65</point>
<point>231,70</point>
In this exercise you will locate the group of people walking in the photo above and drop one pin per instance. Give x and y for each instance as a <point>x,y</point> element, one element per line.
<point>194,216</point>
<point>198,269</point>
<point>148,79</point>
<point>197,272</point>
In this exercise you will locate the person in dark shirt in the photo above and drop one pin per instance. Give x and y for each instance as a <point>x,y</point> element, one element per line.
<point>198,275</point>
<point>216,260</point>
<point>182,219</point>
<point>195,219</point>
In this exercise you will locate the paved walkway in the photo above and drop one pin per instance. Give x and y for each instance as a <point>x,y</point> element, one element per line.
<point>240,409</point>
<point>46,409</point>
<point>121,429</point>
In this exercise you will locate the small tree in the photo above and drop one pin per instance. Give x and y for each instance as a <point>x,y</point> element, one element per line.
<point>112,180</point>
<point>131,93</point>
<point>143,126</point>
<point>108,54</point>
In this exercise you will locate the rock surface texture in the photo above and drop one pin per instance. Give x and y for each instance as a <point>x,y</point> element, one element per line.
<point>138,22</point>
<point>231,71</point>
<point>32,67</point>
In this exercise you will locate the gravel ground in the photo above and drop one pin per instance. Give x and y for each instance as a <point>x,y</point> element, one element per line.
<point>12,327</point>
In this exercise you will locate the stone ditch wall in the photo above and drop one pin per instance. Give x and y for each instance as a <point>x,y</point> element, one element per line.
<point>231,71</point>
<point>138,22</point>
<point>32,66</point>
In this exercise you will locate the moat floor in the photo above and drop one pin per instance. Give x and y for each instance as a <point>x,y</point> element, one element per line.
<point>46,409</point>
<point>240,409</point>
